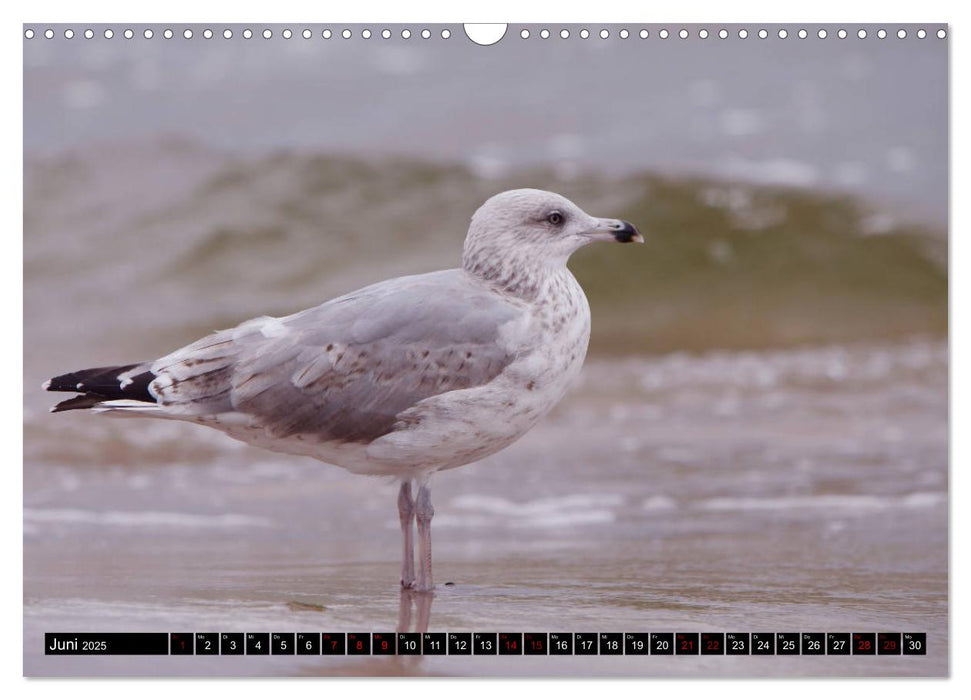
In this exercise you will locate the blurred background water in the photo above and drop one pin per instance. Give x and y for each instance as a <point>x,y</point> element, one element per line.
<point>760,435</point>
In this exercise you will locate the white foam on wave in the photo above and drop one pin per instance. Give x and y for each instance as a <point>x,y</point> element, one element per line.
<point>141,518</point>
<point>848,503</point>
<point>766,370</point>
<point>557,511</point>
<point>659,502</point>
<point>774,171</point>
<point>552,520</point>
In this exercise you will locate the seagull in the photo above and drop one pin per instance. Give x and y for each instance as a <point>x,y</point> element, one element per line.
<point>404,378</point>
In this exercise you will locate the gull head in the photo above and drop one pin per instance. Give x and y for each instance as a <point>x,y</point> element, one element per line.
<point>533,225</point>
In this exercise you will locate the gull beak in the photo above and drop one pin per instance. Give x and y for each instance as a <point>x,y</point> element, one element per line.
<point>616,230</point>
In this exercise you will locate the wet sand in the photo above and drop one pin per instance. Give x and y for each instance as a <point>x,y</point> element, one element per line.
<point>796,490</point>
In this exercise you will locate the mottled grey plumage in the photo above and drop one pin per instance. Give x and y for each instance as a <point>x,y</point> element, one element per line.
<point>345,370</point>
<point>402,378</point>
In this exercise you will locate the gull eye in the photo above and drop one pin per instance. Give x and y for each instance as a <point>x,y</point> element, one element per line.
<point>555,218</point>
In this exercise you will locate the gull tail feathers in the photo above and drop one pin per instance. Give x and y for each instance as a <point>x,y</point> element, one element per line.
<point>121,387</point>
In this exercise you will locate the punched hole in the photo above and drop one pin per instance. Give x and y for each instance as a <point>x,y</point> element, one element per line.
<point>485,34</point>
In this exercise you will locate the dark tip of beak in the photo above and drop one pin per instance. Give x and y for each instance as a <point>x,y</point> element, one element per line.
<point>625,232</point>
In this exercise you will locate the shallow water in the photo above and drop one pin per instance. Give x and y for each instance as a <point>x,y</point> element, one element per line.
<point>791,490</point>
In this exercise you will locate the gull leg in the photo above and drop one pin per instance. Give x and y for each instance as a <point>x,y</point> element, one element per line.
<point>406,514</point>
<point>424,513</point>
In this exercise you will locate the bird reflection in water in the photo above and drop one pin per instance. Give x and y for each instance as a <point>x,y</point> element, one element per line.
<point>422,603</point>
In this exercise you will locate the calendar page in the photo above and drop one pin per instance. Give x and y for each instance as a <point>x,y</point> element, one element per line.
<point>538,349</point>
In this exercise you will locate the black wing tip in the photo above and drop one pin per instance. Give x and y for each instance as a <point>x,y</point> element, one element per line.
<point>93,379</point>
<point>63,382</point>
<point>100,384</point>
<point>77,403</point>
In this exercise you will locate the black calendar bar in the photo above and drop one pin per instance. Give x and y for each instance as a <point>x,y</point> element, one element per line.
<point>488,643</point>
